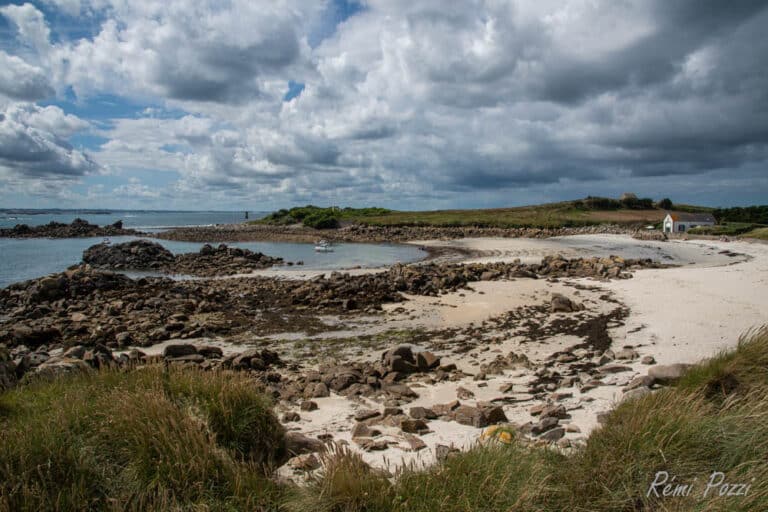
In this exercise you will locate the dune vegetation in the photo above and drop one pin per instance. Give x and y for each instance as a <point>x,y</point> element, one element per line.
<point>150,439</point>
<point>582,212</point>
<point>759,233</point>
<point>138,440</point>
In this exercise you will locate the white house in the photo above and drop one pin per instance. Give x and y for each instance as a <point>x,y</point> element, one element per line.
<point>680,222</point>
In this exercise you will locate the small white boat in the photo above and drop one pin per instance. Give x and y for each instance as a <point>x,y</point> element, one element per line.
<point>106,241</point>
<point>323,246</point>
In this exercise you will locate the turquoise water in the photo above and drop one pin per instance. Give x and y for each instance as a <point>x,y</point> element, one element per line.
<point>22,259</point>
<point>137,219</point>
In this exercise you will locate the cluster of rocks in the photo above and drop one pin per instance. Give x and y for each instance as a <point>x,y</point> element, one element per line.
<point>368,432</point>
<point>582,367</point>
<point>21,362</point>
<point>354,292</point>
<point>79,228</point>
<point>371,233</point>
<point>547,428</point>
<point>386,379</point>
<point>147,255</point>
<point>87,306</point>
<point>50,361</point>
<point>653,235</point>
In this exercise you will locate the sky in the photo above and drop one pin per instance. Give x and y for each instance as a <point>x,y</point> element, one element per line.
<point>406,104</point>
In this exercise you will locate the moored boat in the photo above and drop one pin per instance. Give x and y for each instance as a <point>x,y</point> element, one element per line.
<point>323,246</point>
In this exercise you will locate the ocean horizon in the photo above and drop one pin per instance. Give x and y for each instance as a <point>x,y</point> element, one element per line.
<point>136,219</point>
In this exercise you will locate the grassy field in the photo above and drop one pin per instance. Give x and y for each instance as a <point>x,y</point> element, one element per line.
<point>149,440</point>
<point>726,228</point>
<point>584,212</point>
<point>760,234</point>
<point>549,215</point>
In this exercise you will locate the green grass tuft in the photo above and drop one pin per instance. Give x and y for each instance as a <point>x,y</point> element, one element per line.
<point>759,233</point>
<point>142,440</point>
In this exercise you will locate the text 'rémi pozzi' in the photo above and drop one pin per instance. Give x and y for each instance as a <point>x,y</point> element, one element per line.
<point>665,485</point>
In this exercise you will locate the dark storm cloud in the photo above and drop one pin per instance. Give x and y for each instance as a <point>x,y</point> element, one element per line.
<point>682,27</point>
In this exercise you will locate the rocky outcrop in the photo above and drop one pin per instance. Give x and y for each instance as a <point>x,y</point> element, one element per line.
<point>89,306</point>
<point>387,379</point>
<point>147,255</point>
<point>653,235</point>
<point>79,228</point>
<point>136,254</point>
<point>370,233</point>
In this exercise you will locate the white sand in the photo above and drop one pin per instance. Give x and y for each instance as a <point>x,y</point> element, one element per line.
<point>686,313</point>
<point>682,314</point>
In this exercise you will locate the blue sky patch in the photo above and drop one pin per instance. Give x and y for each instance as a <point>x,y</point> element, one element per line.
<point>336,12</point>
<point>294,90</point>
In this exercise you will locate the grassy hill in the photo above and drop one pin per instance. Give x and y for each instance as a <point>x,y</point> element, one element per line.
<point>583,212</point>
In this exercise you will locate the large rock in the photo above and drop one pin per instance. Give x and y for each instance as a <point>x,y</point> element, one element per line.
<point>400,391</point>
<point>472,416</point>
<point>179,350</point>
<point>316,390</point>
<point>668,374</point>
<point>422,413</point>
<point>553,435</point>
<point>477,417</point>
<point>399,360</point>
<point>561,304</point>
<point>634,394</point>
<point>136,254</point>
<point>427,361</point>
<point>554,411</point>
<point>299,444</point>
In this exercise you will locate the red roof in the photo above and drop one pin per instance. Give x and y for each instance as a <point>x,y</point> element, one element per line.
<point>691,217</point>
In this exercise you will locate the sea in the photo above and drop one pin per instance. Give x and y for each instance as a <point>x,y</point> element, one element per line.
<point>144,220</point>
<point>27,258</point>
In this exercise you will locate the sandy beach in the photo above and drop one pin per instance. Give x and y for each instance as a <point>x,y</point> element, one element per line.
<point>404,362</point>
<point>676,315</point>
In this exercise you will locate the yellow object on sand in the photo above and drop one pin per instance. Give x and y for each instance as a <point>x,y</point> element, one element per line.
<point>501,433</point>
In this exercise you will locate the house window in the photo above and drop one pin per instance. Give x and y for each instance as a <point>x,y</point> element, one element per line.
<point>681,227</point>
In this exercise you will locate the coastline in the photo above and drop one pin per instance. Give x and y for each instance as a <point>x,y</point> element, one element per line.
<point>474,328</point>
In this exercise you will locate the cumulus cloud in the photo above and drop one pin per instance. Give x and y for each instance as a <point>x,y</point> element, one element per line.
<point>407,100</point>
<point>34,147</point>
<point>30,23</point>
<point>198,51</point>
<point>22,81</point>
